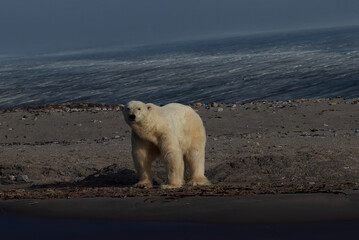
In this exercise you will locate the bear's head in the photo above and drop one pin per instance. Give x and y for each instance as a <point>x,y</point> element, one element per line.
<point>135,111</point>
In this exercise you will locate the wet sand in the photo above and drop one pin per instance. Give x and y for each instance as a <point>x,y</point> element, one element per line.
<point>284,216</point>
<point>258,209</point>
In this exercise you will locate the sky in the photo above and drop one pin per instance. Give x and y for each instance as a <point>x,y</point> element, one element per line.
<point>29,26</point>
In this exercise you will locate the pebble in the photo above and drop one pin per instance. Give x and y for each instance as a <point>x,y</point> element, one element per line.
<point>357,130</point>
<point>22,178</point>
<point>220,109</point>
<point>305,134</point>
<point>214,104</point>
<point>325,125</point>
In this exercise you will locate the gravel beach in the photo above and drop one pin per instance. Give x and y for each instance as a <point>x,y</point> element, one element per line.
<point>83,150</point>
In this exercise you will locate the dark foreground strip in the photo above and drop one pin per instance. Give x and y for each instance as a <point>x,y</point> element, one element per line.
<point>125,192</point>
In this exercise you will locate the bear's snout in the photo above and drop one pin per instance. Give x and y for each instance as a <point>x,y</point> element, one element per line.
<point>132,117</point>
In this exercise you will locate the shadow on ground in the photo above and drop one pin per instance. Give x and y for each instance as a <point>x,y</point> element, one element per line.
<point>110,176</point>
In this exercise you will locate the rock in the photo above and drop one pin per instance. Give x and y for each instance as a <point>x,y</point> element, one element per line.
<point>356,130</point>
<point>220,109</point>
<point>305,134</point>
<point>214,105</point>
<point>22,178</point>
<point>12,177</point>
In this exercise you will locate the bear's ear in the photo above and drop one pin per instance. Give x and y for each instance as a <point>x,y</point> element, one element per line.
<point>149,106</point>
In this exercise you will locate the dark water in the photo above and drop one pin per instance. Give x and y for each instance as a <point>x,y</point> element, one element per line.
<point>282,66</point>
<point>26,227</point>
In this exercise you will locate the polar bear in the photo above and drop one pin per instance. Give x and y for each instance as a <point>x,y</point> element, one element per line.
<point>174,133</point>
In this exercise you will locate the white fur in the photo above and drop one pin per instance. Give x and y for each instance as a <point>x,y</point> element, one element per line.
<point>174,133</point>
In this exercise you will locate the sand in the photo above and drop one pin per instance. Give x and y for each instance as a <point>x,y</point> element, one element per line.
<point>83,150</point>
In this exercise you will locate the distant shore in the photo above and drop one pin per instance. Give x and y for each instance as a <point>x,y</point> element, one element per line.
<point>83,150</point>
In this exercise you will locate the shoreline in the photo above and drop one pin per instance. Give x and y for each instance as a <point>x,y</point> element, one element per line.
<point>103,106</point>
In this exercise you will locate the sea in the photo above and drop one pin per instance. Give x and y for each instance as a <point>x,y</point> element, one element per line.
<point>320,63</point>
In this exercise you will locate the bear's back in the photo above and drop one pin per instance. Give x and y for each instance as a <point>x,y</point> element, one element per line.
<point>180,112</point>
<point>184,118</point>
<point>176,108</point>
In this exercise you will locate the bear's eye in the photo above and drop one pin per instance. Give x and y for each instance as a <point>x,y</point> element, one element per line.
<point>128,109</point>
<point>139,109</point>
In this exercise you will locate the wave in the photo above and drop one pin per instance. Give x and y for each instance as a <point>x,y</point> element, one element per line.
<point>279,67</point>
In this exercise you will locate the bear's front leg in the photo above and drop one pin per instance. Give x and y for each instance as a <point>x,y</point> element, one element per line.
<point>143,158</point>
<point>175,169</point>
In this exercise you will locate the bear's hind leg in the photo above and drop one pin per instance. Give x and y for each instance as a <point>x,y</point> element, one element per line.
<point>195,161</point>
